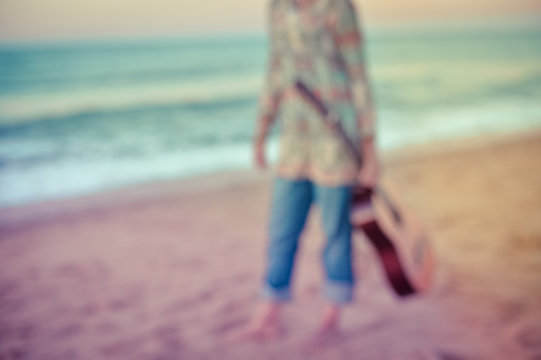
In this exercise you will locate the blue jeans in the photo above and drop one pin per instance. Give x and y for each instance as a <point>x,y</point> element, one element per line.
<point>291,203</point>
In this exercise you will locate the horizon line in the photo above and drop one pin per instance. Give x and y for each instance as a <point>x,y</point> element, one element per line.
<point>473,23</point>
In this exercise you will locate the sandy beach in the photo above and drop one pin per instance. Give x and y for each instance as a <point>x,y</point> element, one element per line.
<point>168,270</point>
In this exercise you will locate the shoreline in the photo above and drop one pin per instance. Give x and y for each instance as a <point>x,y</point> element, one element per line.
<point>161,189</point>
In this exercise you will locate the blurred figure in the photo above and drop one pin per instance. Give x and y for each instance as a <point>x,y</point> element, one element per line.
<point>320,43</point>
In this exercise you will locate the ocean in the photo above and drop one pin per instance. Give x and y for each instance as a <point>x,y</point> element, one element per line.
<point>81,117</point>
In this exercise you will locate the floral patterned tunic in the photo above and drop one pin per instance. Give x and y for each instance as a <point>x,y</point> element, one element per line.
<point>320,44</point>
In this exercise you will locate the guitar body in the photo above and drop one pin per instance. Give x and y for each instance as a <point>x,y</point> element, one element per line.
<point>398,237</point>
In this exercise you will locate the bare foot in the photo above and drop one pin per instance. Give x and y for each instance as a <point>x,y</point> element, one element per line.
<point>326,332</point>
<point>264,326</point>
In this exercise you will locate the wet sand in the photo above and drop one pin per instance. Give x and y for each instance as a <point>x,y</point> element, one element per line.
<point>168,270</point>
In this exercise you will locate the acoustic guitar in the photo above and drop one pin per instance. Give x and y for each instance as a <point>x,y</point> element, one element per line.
<point>396,234</point>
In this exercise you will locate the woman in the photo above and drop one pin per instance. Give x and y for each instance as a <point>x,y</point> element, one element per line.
<point>318,42</point>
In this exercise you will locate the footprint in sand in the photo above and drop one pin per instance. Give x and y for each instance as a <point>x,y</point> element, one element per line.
<point>130,297</point>
<point>73,271</point>
<point>18,353</point>
<point>162,343</point>
<point>240,278</point>
<point>529,337</point>
<point>69,354</point>
<point>9,287</point>
<point>233,306</point>
<point>19,333</point>
<point>185,304</point>
<point>121,348</point>
<point>231,314</point>
<point>11,297</point>
<point>512,311</point>
<point>445,355</point>
<point>227,325</point>
<point>68,331</point>
<point>122,303</point>
<point>107,327</point>
<point>169,338</point>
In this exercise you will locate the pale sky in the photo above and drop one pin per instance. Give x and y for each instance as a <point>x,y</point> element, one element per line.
<point>43,19</point>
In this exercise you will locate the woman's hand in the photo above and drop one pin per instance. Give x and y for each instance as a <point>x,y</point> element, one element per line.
<point>369,173</point>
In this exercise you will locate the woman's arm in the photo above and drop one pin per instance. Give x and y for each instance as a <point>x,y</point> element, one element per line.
<point>352,49</point>
<point>351,44</point>
<point>269,100</point>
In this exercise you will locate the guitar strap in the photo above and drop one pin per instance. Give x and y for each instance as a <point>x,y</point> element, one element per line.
<point>362,193</point>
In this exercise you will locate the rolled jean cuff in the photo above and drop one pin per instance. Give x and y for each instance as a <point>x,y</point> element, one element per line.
<point>338,292</point>
<point>278,295</point>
